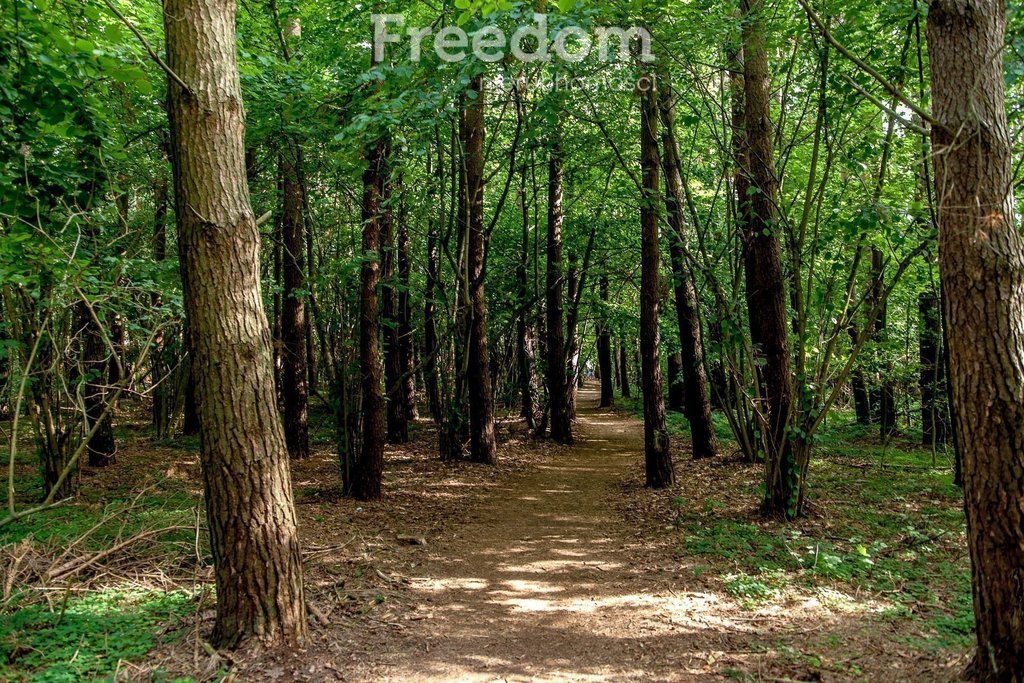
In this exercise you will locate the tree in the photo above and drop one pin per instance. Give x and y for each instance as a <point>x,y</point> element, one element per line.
<point>604,349</point>
<point>365,471</point>
<point>981,260</point>
<point>658,460</point>
<point>253,535</point>
<point>696,396</point>
<point>556,360</point>
<point>483,446</point>
<point>765,281</point>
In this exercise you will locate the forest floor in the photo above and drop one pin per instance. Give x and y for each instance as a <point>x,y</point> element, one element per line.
<point>558,565</point>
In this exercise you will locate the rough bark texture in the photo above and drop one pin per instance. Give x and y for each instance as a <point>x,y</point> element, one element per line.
<point>604,350</point>
<point>561,427</point>
<point>294,326</point>
<point>253,535</point>
<point>694,386</point>
<point>981,258</point>
<point>483,445</point>
<point>397,425</point>
<point>765,279</point>
<point>366,469</point>
<point>658,460</point>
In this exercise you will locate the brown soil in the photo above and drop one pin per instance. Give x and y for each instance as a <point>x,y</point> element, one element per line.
<point>564,570</point>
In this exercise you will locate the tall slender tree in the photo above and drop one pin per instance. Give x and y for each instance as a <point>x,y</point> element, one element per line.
<point>483,444</point>
<point>696,395</point>
<point>757,188</point>
<point>658,460</point>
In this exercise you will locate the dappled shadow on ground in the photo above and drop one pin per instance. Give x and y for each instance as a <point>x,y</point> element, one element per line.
<point>546,578</point>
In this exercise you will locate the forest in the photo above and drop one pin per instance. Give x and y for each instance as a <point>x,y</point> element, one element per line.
<point>476,340</point>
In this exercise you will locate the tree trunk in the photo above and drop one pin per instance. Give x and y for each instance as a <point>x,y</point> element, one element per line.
<point>858,385</point>
<point>483,446</point>
<point>885,391</point>
<point>163,386</point>
<point>406,355</point>
<point>367,468</point>
<point>397,425</point>
<point>675,382</point>
<point>253,534</point>
<point>431,347</point>
<point>294,327</point>
<point>604,349</point>
<point>561,427</point>
<point>765,279</point>
<point>694,387</point>
<point>981,259</point>
<point>624,370</point>
<point>932,380</point>
<point>658,460</point>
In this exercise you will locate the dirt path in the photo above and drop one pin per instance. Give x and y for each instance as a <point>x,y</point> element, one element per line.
<point>545,582</point>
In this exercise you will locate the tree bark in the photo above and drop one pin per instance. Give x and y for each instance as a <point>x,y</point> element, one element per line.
<point>694,386</point>
<point>431,347</point>
<point>765,280</point>
<point>623,370</point>
<point>367,468</point>
<point>397,425</point>
<point>932,380</point>
<point>561,427</point>
<point>249,509</point>
<point>604,349</point>
<point>483,446</point>
<point>981,259</point>
<point>658,460</point>
<point>884,391</point>
<point>406,354</point>
<point>294,326</point>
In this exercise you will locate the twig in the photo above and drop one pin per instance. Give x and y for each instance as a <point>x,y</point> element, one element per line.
<point>152,53</point>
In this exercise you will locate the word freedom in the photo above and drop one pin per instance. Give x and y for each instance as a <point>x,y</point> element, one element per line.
<point>489,44</point>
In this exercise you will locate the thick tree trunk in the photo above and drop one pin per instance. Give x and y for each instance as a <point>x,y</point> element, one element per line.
<point>483,446</point>
<point>294,326</point>
<point>604,349</point>
<point>981,258</point>
<point>658,460</point>
<point>253,534</point>
<point>694,387</point>
<point>765,279</point>
<point>556,361</point>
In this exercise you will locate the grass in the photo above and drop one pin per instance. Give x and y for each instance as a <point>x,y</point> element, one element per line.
<point>886,523</point>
